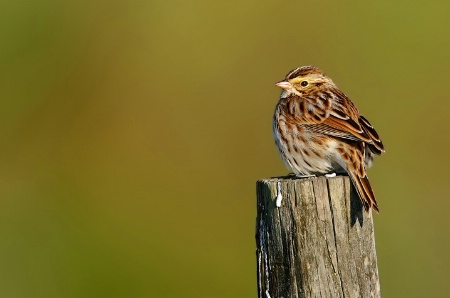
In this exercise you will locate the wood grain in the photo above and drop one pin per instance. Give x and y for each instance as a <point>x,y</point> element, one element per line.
<point>318,243</point>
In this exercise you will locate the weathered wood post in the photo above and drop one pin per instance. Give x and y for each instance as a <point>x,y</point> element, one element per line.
<point>317,243</point>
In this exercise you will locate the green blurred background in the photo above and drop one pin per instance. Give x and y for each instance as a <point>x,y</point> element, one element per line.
<point>132,134</point>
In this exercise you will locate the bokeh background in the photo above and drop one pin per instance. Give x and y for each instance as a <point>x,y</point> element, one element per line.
<point>132,134</point>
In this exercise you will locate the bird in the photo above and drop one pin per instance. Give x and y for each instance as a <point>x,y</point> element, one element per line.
<point>318,130</point>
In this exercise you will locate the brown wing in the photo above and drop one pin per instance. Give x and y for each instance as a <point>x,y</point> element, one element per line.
<point>345,116</point>
<point>331,131</point>
<point>334,114</point>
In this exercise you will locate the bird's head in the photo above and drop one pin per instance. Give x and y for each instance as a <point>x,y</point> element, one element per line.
<point>304,80</point>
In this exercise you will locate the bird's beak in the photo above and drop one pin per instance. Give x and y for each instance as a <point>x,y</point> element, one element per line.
<point>284,85</point>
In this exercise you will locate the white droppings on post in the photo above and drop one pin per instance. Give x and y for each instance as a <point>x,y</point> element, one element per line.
<point>331,175</point>
<point>279,195</point>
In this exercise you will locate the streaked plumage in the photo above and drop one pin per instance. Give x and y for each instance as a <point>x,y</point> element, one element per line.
<point>318,130</point>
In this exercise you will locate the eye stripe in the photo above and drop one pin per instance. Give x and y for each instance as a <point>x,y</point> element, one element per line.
<point>296,80</point>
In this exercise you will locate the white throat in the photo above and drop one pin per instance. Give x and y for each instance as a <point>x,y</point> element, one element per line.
<point>287,93</point>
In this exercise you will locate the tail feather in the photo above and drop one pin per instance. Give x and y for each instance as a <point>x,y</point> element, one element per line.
<point>365,192</point>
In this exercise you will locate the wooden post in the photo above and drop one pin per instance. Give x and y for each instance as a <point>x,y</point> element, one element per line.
<point>317,243</point>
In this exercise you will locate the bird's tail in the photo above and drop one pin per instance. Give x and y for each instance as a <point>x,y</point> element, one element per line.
<point>365,191</point>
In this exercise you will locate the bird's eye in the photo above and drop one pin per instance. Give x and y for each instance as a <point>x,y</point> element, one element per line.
<point>304,83</point>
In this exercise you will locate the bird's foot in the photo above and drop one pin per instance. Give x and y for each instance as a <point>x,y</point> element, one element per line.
<point>293,175</point>
<point>305,176</point>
